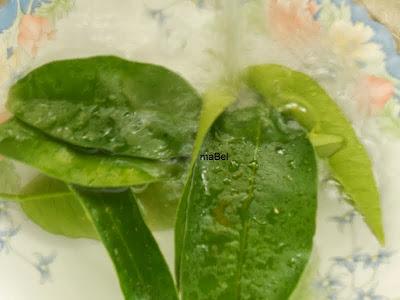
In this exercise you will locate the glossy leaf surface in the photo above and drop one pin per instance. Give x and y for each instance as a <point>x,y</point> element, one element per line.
<point>214,103</point>
<point>308,103</point>
<point>109,103</point>
<point>250,221</point>
<point>58,160</point>
<point>142,270</point>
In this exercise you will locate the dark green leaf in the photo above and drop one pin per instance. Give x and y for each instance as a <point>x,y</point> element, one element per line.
<point>109,103</point>
<point>311,105</point>
<point>72,165</point>
<point>214,103</point>
<point>141,268</point>
<point>250,221</point>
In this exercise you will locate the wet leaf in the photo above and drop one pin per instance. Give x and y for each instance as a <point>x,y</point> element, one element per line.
<point>350,165</point>
<point>109,103</point>
<point>215,102</point>
<point>141,268</point>
<point>72,165</point>
<point>250,221</point>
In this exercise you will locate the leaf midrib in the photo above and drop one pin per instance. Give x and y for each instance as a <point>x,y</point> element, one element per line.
<point>26,198</point>
<point>125,244</point>
<point>246,222</point>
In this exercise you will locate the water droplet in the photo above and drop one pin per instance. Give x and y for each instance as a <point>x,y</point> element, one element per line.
<point>237,175</point>
<point>233,166</point>
<point>280,247</point>
<point>112,97</point>
<point>223,137</point>
<point>259,222</point>
<point>205,181</point>
<point>273,215</point>
<point>292,164</point>
<point>288,177</point>
<point>107,131</point>
<point>234,191</point>
<point>226,181</point>
<point>280,150</point>
<point>140,188</point>
<point>253,164</point>
<point>292,262</point>
<point>217,169</point>
<point>292,106</point>
<point>331,182</point>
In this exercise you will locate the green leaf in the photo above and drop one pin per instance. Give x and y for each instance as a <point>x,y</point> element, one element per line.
<point>305,289</point>
<point>159,202</point>
<point>109,103</point>
<point>325,144</point>
<point>50,204</point>
<point>69,164</point>
<point>351,165</point>
<point>10,181</point>
<point>142,270</point>
<point>215,102</point>
<point>250,221</point>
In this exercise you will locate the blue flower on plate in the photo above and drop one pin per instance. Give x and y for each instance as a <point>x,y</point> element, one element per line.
<point>368,295</point>
<point>329,283</point>
<point>373,261</point>
<point>5,238</point>
<point>4,206</point>
<point>9,11</point>
<point>345,262</point>
<point>8,14</point>
<point>345,219</point>
<point>43,265</point>
<point>158,15</point>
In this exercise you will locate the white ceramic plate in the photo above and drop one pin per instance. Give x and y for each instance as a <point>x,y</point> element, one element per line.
<point>350,53</point>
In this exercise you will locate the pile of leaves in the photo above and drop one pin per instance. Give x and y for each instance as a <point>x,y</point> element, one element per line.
<point>118,143</point>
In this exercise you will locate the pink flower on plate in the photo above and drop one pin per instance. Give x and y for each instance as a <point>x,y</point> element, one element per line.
<point>4,116</point>
<point>33,31</point>
<point>373,92</point>
<point>293,20</point>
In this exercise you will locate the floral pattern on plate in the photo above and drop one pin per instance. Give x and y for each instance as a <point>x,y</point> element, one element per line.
<point>340,27</point>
